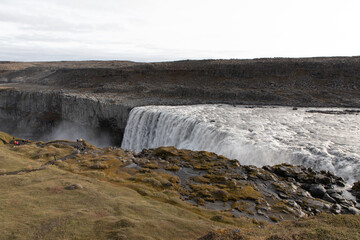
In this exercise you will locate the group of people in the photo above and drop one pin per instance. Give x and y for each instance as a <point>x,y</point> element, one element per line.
<point>82,145</point>
<point>19,142</point>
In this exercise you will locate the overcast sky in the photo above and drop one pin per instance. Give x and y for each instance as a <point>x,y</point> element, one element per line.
<point>160,30</point>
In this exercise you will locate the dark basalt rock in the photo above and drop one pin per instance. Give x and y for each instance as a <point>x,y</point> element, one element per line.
<point>323,179</point>
<point>74,186</point>
<point>354,210</point>
<point>271,192</point>
<point>356,190</point>
<point>331,191</point>
<point>340,182</point>
<point>336,208</point>
<point>327,198</point>
<point>337,197</point>
<point>317,190</point>
<point>287,171</point>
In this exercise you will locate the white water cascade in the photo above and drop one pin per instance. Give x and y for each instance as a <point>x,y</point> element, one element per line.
<point>258,136</point>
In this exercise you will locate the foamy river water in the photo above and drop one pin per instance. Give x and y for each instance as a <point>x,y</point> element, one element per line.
<point>313,137</point>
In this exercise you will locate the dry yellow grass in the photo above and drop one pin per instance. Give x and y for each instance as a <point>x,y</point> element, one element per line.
<point>35,205</point>
<point>124,204</point>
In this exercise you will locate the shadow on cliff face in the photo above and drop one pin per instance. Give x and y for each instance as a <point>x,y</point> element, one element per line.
<point>72,131</point>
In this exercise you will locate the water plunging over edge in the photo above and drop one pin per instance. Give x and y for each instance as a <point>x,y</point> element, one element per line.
<point>324,139</point>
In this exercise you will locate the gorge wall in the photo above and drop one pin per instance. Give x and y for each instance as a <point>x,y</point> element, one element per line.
<point>35,98</point>
<point>35,114</point>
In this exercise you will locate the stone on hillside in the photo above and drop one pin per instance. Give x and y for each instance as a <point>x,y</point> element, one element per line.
<point>340,182</point>
<point>317,190</point>
<point>323,179</point>
<point>261,213</point>
<point>354,210</point>
<point>327,198</point>
<point>356,186</point>
<point>337,197</point>
<point>356,189</point>
<point>346,203</point>
<point>336,208</point>
<point>283,196</point>
<point>74,186</point>
<point>331,191</point>
<point>286,170</point>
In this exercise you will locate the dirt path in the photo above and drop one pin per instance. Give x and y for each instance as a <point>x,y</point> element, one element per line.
<point>23,171</point>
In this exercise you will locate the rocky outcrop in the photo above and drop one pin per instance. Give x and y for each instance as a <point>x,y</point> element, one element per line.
<point>356,190</point>
<point>203,179</point>
<point>268,193</point>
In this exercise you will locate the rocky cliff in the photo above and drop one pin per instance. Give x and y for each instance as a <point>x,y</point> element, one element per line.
<point>35,113</point>
<point>100,94</point>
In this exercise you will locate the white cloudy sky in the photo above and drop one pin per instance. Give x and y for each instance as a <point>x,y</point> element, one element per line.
<point>159,30</point>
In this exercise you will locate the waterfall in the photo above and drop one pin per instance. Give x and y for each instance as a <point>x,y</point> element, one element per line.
<point>256,136</point>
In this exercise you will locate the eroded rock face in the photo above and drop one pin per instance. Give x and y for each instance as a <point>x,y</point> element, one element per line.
<point>33,114</point>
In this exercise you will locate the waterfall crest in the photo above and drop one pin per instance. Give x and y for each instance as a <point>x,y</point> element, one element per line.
<point>256,136</point>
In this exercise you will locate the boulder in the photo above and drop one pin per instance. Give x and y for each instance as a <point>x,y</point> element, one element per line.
<point>74,186</point>
<point>356,189</point>
<point>327,198</point>
<point>337,197</point>
<point>286,170</point>
<point>331,191</point>
<point>346,203</point>
<point>317,190</point>
<point>261,213</point>
<point>323,179</point>
<point>340,182</point>
<point>354,210</point>
<point>336,208</point>
<point>306,186</point>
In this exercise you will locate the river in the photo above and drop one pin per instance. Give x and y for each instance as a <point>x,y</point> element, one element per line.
<point>320,138</point>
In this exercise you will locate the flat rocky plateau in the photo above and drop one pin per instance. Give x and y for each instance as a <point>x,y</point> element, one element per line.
<point>287,82</point>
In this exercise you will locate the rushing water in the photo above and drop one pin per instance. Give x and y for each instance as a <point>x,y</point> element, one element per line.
<point>258,136</point>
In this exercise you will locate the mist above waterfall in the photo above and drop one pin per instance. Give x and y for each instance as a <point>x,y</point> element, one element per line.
<point>72,131</point>
<point>257,136</point>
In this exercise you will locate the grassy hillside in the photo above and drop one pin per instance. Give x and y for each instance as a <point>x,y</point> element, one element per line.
<point>108,203</point>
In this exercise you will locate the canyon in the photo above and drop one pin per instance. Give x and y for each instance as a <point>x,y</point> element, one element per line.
<point>38,97</point>
<point>93,189</point>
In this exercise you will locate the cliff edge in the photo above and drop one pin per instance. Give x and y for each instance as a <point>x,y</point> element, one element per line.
<point>99,94</point>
